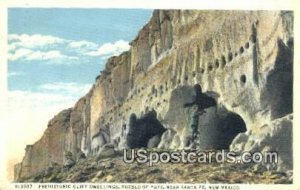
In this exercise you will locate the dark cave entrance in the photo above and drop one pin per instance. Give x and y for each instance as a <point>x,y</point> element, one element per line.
<point>230,126</point>
<point>218,130</point>
<point>217,127</point>
<point>141,130</point>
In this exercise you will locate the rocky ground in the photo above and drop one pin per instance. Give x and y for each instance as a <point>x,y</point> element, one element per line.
<point>114,169</point>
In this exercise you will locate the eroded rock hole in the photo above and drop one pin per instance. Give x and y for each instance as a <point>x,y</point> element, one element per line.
<point>161,89</point>
<point>210,67</point>
<point>153,89</point>
<point>230,57</point>
<point>141,130</point>
<point>243,80</point>
<point>241,50</point>
<point>217,63</point>
<point>194,73</point>
<point>247,45</point>
<point>202,70</point>
<point>223,61</point>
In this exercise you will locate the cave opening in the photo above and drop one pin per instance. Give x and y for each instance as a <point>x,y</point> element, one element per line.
<point>219,131</point>
<point>217,63</point>
<point>231,126</point>
<point>243,80</point>
<point>230,56</point>
<point>210,67</point>
<point>142,129</point>
<point>217,126</point>
<point>241,50</point>
<point>223,60</point>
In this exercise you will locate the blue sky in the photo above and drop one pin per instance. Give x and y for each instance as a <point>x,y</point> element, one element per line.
<point>53,60</point>
<point>54,56</point>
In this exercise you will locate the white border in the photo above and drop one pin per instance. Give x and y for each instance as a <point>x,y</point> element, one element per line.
<point>162,4</point>
<point>165,4</point>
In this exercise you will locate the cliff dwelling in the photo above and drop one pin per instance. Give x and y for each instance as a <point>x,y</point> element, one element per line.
<point>225,86</point>
<point>217,133</point>
<point>141,130</point>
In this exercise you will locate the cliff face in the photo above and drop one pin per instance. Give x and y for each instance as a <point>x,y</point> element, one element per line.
<point>243,60</point>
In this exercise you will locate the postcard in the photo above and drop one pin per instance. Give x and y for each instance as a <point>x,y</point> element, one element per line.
<point>105,96</point>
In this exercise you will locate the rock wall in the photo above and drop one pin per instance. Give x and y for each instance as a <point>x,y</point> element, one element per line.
<point>241,59</point>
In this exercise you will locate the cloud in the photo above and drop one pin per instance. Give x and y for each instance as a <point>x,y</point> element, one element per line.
<point>55,50</point>
<point>12,47</point>
<point>83,44</point>
<point>32,41</point>
<point>30,55</point>
<point>49,55</point>
<point>65,88</point>
<point>37,47</point>
<point>20,53</point>
<point>12,74</point>
<point>109,49</point>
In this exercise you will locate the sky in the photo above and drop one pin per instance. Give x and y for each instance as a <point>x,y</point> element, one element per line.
<point>54,56</point>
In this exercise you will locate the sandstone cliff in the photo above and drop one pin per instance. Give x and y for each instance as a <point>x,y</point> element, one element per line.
<point>241,59</point>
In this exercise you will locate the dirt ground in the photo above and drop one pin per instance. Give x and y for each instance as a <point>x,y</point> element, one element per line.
<point>116,170</point>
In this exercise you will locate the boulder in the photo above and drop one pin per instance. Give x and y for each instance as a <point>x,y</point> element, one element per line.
<point>80,156</point>
<point>274,137</point>
<point>107,151</point>
<point>154,141</point>
<point>166,139</point>
<point>69,160</point>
